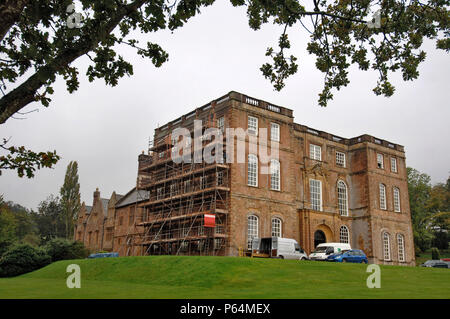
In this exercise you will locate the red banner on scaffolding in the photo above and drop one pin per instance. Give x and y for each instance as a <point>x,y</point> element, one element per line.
<point>210,220</point>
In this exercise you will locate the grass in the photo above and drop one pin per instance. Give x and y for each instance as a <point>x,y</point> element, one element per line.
<point>427,256</point>
<point>224,277</point>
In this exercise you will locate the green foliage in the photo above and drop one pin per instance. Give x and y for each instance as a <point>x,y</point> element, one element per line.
<point>62,249</point>
<point>419,188</point>
<point>24,161</point>
<point>339,37</point>
<point>21,259</point>
<point>435,253</point>
<point>441,239</point>
<point>429,210</point>
<point>50,219</point>
<point>70,197</point>
<point>8,226</point>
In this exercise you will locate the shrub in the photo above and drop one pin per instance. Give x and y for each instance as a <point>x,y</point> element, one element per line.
<point>440,240</point>
<point>62,249</point>
<point>21,259</point>
<point>435,253</point>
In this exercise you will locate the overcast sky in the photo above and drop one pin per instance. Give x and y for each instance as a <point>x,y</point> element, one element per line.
<point>104,129</point>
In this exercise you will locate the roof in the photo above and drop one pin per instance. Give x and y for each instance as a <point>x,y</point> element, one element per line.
<point>133,196</point>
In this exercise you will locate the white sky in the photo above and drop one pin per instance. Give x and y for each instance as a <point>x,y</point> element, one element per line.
<point>105,128</point>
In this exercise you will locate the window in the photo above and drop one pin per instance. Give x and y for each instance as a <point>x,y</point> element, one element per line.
<point>315,189</point>
<point>120,220</point>
<point>221,124</point>
<point>342,198</point>
<point>343,235</point>
<point>160,193</point>
<point>386,247</point>
<point>315,152</point>
<point>219,178</point>
<point>382,196</point>
<point>202,182</point>
<point>393,164</point>
<point>275,175</point>
<point>340,159</point>
<point>109,233</point>
<point>252,125</point>
<point>275,132</point>
<point>161,154</point>
<point>187,186</point>
<point>173,189</point>
<point>401,247</point>
<point>252,229</point>
<point>380,161</point>
<point>217,243</point>
<point>131,216</point>
<point>276,227</point>
<point>252,170</point>
<point>396,200</point>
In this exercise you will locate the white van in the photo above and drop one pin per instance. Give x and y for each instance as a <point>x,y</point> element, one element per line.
<point>277,247</point>
<point>324,250</point>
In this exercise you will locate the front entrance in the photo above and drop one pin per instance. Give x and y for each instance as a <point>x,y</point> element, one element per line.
<point>319,238</point>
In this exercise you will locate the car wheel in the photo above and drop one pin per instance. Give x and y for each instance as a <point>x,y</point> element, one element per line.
<point>303,258</point>
<point>281,257</point>
<point>364,261</point>
<point>344,260</point>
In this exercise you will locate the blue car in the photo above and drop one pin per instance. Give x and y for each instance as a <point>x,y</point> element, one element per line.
<point>103,255</point>
<point>350,256</point>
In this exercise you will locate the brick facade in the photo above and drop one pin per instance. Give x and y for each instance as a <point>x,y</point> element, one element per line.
<point>359,178</point>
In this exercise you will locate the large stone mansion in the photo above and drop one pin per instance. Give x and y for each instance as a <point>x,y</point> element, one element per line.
<point>320,188</point>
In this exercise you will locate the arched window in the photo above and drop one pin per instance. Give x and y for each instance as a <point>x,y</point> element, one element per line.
<point>401,247</point>
<point>386,246</point>
<point>343,234</point>
<point>275,174</point>
<point>252,229</point>
<point>396,200</point>
<point>276,227</point>
<point>342,198</point>
<point>252,170</point>
<point>382,196</point>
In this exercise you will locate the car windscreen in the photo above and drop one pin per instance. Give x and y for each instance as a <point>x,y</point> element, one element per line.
<point>321,249</point>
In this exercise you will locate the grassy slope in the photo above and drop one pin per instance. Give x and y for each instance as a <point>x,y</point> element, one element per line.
<point>224,277</point>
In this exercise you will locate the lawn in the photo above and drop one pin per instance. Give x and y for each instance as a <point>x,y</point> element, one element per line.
<point>224,277</point>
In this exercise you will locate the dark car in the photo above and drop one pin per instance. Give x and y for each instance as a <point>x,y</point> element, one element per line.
<point>435,264</point>
<point>351,256</point>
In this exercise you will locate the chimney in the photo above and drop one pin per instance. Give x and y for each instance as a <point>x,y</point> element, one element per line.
<point>96,195</point>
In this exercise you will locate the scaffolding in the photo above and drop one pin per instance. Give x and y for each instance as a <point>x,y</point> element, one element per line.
<point>180,194</point>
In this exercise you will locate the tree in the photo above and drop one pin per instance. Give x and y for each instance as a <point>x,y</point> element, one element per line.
<point>8,226</point>
<point>435,253</point>
<point>44,37</point>
<point>50,219</point>
<point>40,39</point>
<point>419,188</point>
<point>24,161</point>
<point>70,197</point>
